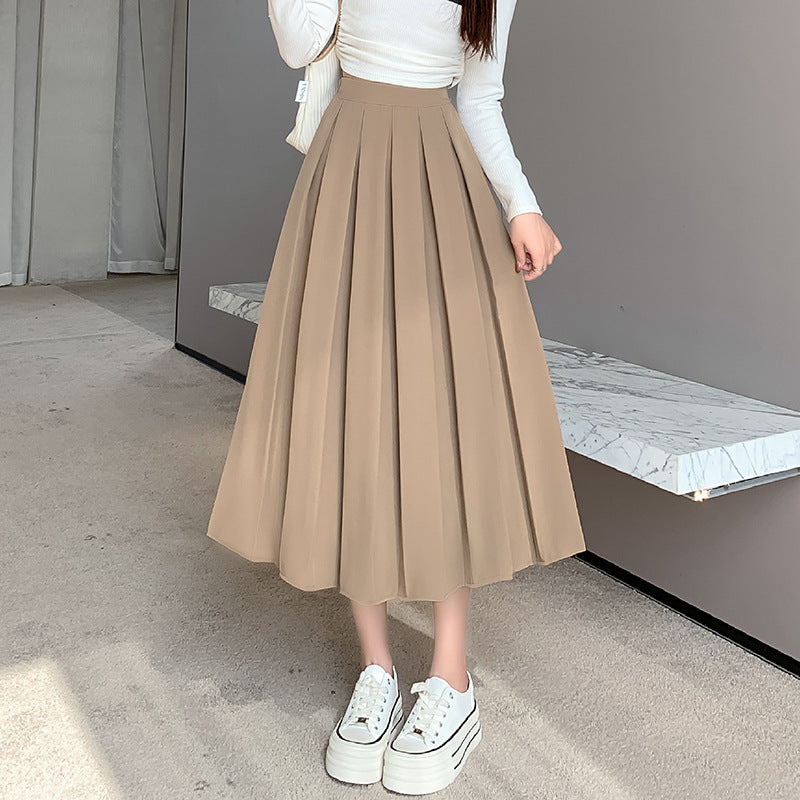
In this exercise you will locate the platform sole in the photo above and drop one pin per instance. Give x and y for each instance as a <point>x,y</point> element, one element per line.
<point>352,762</point>
<point>411,773</point>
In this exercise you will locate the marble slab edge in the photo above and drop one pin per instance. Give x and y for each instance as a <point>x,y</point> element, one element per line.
<point>242,300</point>
<point>678,473</point>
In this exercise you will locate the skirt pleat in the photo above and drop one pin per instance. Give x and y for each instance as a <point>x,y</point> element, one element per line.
<point>425,471</point>
<point>553,517</point>
<point>478,397</point>
<point>311,517</point>
<point>369,492</point>
<point>397,436</point>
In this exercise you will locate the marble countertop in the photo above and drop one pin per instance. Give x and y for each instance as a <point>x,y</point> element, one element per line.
<point>680,435</point>
<point>240,299</point>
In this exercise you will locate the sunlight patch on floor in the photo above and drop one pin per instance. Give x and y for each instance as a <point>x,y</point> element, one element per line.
<point>46,749</point>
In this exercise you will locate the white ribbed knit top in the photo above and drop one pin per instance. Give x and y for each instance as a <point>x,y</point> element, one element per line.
<point>417,43</point>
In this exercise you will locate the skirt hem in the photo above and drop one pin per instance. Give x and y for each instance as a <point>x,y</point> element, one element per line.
<point>297,584</point>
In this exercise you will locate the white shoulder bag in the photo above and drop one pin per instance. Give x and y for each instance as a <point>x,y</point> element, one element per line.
<point>315,91</point>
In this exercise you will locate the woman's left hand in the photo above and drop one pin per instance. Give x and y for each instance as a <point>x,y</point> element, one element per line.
<point>535,244</point>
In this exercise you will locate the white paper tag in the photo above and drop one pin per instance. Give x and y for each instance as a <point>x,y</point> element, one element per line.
<point>302,86</point>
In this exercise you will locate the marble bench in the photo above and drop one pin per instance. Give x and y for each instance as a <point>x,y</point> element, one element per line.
<point>682,436</point>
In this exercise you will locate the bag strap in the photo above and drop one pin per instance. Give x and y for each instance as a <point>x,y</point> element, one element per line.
<point>332,41</point>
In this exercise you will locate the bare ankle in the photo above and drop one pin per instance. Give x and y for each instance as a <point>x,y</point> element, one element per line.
<point>457,678</point>
<point>384,661</point>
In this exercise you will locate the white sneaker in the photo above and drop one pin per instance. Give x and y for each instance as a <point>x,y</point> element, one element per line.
<point>442,729</point>
<point>356,745</point>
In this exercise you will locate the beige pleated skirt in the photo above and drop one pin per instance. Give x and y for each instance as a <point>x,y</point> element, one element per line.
<point>397,436</point>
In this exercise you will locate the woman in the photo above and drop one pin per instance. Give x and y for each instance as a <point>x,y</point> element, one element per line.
<point>397,436</point>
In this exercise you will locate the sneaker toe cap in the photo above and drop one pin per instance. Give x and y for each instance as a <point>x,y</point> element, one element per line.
<point>358,733</point>
<point>410,743</point>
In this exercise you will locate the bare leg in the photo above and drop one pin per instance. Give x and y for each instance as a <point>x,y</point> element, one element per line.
<point>371,626</point>
<point>450,633</point>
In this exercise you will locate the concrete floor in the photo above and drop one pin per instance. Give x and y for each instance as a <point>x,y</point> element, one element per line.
<point>139,659</point>
<point>147,300</point>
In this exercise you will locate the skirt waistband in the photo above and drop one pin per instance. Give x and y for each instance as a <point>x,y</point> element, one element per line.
<point>351,87</point>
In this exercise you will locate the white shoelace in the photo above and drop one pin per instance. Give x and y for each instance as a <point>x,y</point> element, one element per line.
<point>428,712</point>
<point>367,704</point>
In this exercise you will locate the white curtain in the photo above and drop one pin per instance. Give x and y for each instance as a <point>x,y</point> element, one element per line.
<point>143,220</point>
<point>148,136</point>
<point>19,58</point>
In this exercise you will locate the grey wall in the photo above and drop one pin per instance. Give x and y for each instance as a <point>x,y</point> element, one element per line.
<point>661,140</point>
<point>239,171</point>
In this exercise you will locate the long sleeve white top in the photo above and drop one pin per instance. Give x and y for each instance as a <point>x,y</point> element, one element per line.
<point>417,43</point>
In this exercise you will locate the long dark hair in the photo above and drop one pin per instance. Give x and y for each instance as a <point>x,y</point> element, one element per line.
<point>478,18</point>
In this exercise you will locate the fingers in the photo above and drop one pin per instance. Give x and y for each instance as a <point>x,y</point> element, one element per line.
<point>533,273</point>
<point>541,258</point>
<point>530,264</point>
<point>535,247</point>
<point>520,254</point>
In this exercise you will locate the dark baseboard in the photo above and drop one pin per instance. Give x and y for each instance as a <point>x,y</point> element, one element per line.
<point>697,615</point>
<point>231,373</point>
